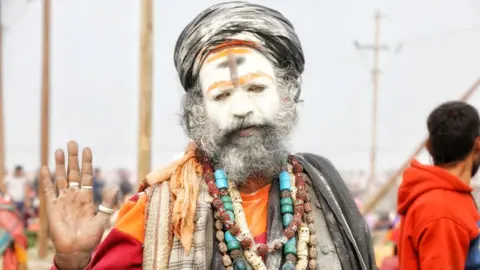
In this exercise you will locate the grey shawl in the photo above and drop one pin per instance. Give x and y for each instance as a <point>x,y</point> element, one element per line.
<point>347,226</point>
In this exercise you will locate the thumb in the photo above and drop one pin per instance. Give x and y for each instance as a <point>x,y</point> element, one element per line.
<point>108,203</point>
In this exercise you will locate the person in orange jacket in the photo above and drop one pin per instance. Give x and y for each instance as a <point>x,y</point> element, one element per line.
<point>438,213</point>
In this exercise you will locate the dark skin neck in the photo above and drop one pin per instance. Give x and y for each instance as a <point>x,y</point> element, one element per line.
<point>462,170</point>
<point>254,184</point>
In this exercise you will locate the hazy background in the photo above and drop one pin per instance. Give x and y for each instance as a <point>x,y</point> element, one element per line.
<point>95,58</point>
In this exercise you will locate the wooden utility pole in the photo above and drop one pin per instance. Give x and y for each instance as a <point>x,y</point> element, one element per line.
<point>146,89</point>
<point>45,127</point>
<point>393,179</point>
<point>376,48</point>
<point>2,108</point>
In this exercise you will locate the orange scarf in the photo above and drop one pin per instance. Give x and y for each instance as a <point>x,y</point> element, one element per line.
<point>184,185</point>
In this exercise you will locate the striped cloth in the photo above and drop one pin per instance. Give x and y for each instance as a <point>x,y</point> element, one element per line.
<point>13,242</point>
<point>199,257</point>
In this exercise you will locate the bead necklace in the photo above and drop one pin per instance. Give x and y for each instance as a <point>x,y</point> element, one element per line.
<point>229,216</point>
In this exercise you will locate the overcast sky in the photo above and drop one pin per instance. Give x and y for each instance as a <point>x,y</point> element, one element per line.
<point>95,56</point>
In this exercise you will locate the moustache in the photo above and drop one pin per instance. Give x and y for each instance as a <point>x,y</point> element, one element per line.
<point>234,128</point>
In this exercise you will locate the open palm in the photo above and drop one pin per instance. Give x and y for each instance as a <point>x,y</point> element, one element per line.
<point>76,227</point>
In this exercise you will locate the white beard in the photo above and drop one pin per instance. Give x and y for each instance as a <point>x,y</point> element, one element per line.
<point>252,159</point>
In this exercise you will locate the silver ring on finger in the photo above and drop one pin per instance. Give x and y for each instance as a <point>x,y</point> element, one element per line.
<point>86,187</point>
<point>73,184</point>
<point>105,209</point>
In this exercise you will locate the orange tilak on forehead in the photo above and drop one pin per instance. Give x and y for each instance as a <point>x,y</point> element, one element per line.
<point>241,80</point>
<point>230,47</point>
<point>233,44</point>
<point>201,57</point>
<point>227,52</point>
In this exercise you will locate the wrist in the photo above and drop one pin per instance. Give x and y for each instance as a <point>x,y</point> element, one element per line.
<point>74,261</point>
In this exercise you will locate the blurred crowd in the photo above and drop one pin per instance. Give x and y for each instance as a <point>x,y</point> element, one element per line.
<point>19,208</point>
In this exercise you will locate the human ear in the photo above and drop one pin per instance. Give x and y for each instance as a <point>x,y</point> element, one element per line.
<point>428,145</point>
<point>476,146</point>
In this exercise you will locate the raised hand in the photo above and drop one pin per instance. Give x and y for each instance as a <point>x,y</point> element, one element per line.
<point>76,227</point>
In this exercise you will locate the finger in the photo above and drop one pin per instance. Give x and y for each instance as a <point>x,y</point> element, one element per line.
<point>73,171</point>
<point>109,202</point>
<point>47,185</point>
<point>60,173</point>
<point>86,193</point>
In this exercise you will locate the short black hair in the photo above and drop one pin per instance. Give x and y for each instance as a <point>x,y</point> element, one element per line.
<point>453,127</point>
<point>18,168</point>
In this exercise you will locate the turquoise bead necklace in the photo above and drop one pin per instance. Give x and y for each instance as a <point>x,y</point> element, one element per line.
<point>232,230</point>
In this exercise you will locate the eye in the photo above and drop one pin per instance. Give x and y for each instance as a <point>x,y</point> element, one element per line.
<point>222,96</point>
<point>257,88</point>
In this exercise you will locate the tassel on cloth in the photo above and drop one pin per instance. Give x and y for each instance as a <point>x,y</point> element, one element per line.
<point>184,186</point>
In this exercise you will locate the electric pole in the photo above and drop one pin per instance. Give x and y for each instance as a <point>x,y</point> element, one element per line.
<point>376,47</point>
<point>145,91</point>
<point>45,127</point>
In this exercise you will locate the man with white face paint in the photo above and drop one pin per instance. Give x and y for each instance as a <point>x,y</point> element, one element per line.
<point>236,199</point>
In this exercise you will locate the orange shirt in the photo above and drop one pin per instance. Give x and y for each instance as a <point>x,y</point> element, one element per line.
<point>255,206</point>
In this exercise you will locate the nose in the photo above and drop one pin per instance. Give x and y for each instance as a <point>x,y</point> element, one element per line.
<point>241,105</point>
